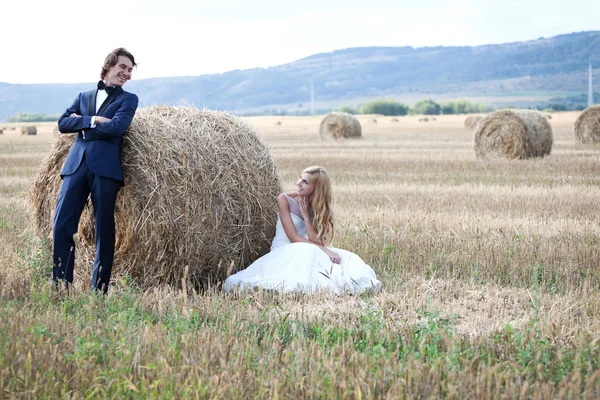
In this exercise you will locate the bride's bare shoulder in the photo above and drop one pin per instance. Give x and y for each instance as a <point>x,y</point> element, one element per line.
<point>291,195</point>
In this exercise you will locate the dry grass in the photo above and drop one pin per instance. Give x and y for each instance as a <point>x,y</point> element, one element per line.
<point>490,272</point>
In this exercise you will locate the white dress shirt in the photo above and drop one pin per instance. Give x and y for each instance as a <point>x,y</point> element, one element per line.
<point>101,95</point>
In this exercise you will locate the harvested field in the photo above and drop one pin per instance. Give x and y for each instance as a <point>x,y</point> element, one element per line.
<point>490,273</point>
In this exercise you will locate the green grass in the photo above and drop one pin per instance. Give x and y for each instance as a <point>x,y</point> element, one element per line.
<point>128,345</point>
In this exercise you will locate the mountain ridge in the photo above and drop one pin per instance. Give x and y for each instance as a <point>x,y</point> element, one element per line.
<point>539,67</point>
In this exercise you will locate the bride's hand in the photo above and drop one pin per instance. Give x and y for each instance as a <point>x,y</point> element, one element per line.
<point>303,203</point>
<point>333,256</point>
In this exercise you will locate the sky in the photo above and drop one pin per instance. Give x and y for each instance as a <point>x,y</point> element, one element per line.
<point>59,41</point>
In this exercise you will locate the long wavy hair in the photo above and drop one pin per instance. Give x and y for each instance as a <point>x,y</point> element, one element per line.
<point>322,204</point>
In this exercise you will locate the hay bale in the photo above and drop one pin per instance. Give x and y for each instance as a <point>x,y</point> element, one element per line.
<point>338,125</point>
<point>513,134</point>
<point>471,121</point>
<point>424,119</point>
<point>587,126</point>
<point>395,120</point>
<point>548,116</point>
<point>28,130</point>
<point>278,123</point>
<point>1,131</point>
<point>373,121</point>
<point>199,191</point>
<point>433,119</point>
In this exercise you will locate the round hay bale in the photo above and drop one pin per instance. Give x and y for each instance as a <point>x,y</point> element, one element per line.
<point>1,131</point>
<point>278,123</point>
<point>513,134</point>
<point>338,125</point>
<point>424,119</point>
<point>28,130</point>
<point>433,119</point>
<point>471,121</point>
<point>199,193</point>
<point>548,116</point>
<point>395,120</point>
<point>373,121</point>
<point>587,126</point>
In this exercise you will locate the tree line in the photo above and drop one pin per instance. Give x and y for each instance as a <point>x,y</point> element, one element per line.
<point>425,107</point>
<point>32,117</point>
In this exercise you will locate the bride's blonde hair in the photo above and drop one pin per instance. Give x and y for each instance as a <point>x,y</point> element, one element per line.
<point>322,204</point>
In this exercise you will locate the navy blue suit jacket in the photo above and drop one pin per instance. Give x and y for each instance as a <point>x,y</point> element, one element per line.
<point>102,144</point>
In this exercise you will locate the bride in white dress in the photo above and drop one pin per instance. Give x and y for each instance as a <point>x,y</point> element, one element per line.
<point>300,260</point>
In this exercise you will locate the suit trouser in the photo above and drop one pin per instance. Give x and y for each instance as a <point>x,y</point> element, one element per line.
<point>72,198</point>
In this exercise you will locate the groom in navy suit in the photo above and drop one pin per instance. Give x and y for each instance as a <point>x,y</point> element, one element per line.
<point>93,167</point>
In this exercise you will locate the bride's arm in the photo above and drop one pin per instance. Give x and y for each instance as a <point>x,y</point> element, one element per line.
<point>290,230</point>
<point>286,221</point>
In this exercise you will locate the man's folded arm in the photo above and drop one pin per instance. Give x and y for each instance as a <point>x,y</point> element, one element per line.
<point>68,124</point>
<point>118,123</point>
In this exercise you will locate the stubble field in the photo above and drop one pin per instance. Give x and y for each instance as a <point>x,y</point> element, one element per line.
<point>490,272</point>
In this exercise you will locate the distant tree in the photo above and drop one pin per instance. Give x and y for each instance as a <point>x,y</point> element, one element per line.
<point>384,107</point>
<point>462,107</point>
<point>32,117</point>
<point>447,108</point>
<point>558,107</point>
<point>348,109</point>
<point>426,107</point>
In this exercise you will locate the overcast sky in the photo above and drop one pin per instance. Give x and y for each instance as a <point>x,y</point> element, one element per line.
<point>59,41</point>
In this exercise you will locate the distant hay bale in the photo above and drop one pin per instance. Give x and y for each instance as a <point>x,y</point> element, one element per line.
<point>373,121</point>
<point>471,121</point>
<point>395,120</point>
<point>587,126</point>
<point>28,130</point>
<point>277,123</point>
<point>548,116</point>
<point>433,119</point>
<point>199,192</point>
<point>338,125</point>
<point>513,134</point>
<point>424,119</point>
<point>1,131</point>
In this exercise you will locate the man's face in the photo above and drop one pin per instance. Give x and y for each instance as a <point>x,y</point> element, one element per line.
<point>120,73</point>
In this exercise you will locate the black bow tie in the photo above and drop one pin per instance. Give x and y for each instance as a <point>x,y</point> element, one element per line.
<point>108,89</point>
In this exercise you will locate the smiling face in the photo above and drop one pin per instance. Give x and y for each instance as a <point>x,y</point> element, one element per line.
<point>119,73</point>
<point>305,185</point>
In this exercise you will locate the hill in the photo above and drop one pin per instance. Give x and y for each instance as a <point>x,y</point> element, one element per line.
<point>502,73</point>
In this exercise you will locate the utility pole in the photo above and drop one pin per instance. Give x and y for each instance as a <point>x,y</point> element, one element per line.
<point>590,88</point>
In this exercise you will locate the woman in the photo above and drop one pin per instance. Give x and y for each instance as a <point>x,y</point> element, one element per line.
<point>299,260</point>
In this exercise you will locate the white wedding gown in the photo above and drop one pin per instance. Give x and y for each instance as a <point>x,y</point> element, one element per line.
<point>304,268</point>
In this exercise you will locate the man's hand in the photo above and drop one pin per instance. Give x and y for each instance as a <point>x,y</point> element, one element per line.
<point>100,119</point>
<point>75,115</point>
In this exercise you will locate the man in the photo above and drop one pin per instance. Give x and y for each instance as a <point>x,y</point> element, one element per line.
<point>93,167</point>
